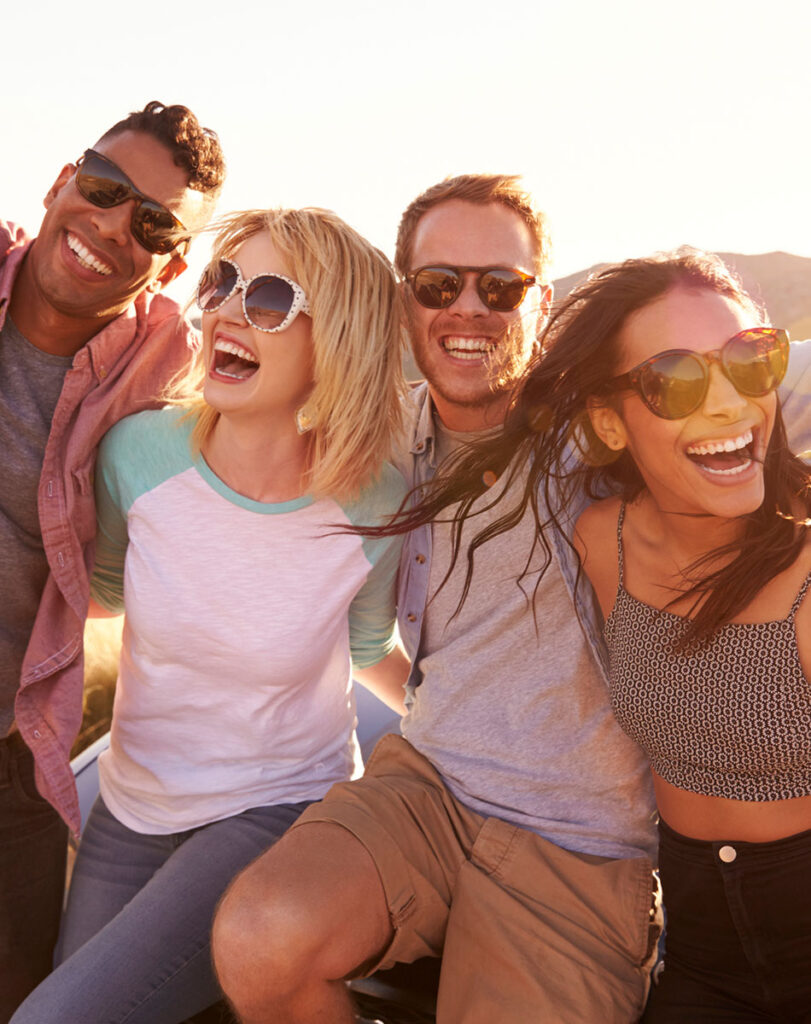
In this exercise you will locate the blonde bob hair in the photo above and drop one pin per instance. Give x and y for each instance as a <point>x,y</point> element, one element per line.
<point>355,406</point>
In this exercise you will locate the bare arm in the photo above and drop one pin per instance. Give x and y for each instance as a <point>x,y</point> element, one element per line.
<point>387,679</point>
<point>596,544</point>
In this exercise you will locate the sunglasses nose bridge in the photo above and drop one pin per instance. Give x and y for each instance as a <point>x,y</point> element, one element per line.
<point>115,222</point>
<point>469,301</point>
<point>721,396</point>
<point>233,308</point>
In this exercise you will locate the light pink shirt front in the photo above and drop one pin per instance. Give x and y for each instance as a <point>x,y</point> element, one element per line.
<point>121,370</point>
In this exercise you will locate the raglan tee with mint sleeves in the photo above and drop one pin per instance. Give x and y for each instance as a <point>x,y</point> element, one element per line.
<point>241,619</point>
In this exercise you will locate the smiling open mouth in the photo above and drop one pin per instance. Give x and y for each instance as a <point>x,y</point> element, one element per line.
<point>86,258</point>
<point>726,457</point>
<point>467,348</point>
<point>234,361</point>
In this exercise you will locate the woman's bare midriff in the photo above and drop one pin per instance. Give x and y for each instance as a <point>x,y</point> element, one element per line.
<point>716,818</point>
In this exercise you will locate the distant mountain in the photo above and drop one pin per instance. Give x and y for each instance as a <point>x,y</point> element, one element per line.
<point>778,280</point>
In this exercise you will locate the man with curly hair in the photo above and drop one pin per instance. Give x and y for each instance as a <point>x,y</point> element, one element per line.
<point>85,339</point>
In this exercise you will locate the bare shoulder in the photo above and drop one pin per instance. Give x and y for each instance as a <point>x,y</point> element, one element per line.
<point>595,539</point>
<point>595,525</point>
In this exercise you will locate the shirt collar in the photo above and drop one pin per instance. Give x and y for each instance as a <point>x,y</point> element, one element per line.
<point>105,346</point>
<point>10,264</point>
<point>423,443</point>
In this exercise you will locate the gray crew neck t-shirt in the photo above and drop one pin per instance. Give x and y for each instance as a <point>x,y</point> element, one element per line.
<point>30,384</point>
<point>518,721</point>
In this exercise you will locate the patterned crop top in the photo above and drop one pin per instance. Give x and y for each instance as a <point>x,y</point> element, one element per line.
<point>732,719</point>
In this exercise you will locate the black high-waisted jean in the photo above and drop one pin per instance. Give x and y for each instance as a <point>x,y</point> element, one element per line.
<point>738,941</point>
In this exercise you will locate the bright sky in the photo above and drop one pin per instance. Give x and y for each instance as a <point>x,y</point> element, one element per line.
<point>640,125</point>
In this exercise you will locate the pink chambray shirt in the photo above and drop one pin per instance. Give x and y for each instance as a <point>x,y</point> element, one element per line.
<point>121,370</point>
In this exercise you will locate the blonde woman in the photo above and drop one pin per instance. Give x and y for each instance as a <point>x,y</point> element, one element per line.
<point>248,608</point>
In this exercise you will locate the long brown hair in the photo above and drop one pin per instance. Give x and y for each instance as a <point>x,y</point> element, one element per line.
<point>547,442</point>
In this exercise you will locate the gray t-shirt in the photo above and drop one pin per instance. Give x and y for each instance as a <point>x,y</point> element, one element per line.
<point>518,721</point>
<point>30,383</point>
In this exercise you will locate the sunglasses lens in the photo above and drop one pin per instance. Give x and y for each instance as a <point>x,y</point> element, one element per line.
<point>436,287</point>
<point>155,228</point>
<point>268,302</point>
<point>216,285</point>
<point>756,361</point>
<point>673,385</point>
<point>98,183</point>
<point>105,185</point>
<point>502,290</point>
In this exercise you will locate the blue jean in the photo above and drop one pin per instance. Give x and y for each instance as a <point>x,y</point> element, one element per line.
<point>134,944</point>
<point>738,944</point>
<point>33,848</point>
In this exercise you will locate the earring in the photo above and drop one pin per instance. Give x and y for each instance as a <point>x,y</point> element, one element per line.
<point>304,421</point>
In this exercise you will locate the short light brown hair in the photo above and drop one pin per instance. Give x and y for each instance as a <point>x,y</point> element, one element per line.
<point>480,189</point>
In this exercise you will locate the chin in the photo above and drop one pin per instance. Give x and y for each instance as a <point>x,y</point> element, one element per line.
<point>735,506</point>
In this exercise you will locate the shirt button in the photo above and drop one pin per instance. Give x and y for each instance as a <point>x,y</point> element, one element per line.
<point>420,559</point>
<point>411,617</point>
<point>727,854</point>
<point>37,734</point>
<point>102,373</point>
<point>419,446</point>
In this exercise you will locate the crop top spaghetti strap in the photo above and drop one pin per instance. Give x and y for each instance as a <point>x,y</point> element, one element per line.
<point>731,718</point>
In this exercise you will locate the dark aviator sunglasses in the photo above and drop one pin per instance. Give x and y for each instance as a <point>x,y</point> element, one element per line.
<point>105,185</point>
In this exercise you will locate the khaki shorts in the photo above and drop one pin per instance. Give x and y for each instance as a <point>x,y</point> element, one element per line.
<point>529,932</point>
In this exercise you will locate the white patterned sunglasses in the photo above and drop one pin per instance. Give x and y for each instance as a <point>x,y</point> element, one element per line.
<point>270,302</point>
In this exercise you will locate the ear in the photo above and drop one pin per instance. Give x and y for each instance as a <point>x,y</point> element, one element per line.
<point>607,423</point>
<point>65,175</point>
<point>544,309</point>
<point>174,268</point>
<point>547,294</point>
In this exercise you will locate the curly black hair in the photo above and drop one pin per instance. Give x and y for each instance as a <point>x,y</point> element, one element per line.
<point>194,148</point>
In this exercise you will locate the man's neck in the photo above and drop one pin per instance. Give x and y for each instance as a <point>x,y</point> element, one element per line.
<point>469,419</point>
<point>45,327</point>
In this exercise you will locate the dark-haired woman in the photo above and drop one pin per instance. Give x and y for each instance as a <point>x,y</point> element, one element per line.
<point>703,585</point>
<point>662,377</point>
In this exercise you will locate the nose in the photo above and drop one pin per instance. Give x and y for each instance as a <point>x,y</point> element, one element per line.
<point>114,222</point>
<point>723,400</point>
<point>468,302</point>
<point>232,309</point>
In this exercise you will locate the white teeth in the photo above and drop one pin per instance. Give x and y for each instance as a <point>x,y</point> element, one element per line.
<point>731,444</point>
<point>732,471</point>
<point>235,350</point>
<point>86,257</point>
<point>467,348</point>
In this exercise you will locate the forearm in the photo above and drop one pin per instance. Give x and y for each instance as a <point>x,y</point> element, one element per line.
<point>387,679</point>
